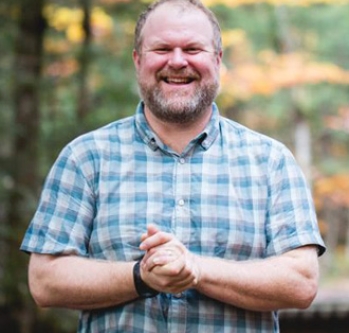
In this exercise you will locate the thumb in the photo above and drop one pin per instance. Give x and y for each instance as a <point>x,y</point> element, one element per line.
<point>152,229</point>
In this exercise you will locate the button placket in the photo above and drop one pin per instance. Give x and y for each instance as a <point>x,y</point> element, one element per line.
<point>180,177</point>
<point>181,195</point>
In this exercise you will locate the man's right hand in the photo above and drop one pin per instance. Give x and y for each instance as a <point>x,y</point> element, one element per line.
<point>167,266</point>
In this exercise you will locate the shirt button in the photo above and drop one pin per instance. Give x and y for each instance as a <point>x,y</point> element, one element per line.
<point>181,160</point>
<point>179,295</point>
<point>152,143</point>
<point>181,202</point>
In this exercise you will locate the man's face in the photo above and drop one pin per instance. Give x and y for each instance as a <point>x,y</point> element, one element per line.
<point>178,68</point>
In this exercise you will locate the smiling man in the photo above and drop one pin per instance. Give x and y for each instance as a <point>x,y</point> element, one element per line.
<point>178,65</point>
<point>176,219</point>
<point>178,69</point>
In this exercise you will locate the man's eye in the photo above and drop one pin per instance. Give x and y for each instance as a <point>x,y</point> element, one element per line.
<point>192,51</point>
<point>162,50</point>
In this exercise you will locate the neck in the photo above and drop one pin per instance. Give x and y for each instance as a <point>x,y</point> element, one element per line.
<point>177,136</point>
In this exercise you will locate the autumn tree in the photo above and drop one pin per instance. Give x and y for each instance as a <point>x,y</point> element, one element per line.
<point>83,67</point>
<point>24,166</point>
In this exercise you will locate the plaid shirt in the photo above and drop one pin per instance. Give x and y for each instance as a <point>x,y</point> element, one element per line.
<point>233,194</point>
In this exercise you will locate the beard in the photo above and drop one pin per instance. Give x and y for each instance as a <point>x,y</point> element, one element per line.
<point>178,107</point>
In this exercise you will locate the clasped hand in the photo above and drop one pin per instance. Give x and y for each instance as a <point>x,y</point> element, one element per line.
<point>167,266</point>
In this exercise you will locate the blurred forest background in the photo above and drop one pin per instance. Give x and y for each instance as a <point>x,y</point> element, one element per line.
<point>66,68</point>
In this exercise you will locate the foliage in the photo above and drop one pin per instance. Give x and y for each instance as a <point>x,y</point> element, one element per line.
<point>332,190</point>
<point>302,3</point>
<point>282,59</point>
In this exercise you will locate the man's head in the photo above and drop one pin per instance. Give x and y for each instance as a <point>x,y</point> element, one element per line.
<point>185,4</point>
<point>177,56</point>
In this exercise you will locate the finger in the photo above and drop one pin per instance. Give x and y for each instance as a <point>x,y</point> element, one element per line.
<point>173,284</point>
<point>179,269</point>
<point>144,236</point>
<point>175,269</point>
<point>161,257</point>
<point>162,254</point>
<point>182,285</point>
<point>172,278</point>
<point>152,229</point>
<point>156,239</point>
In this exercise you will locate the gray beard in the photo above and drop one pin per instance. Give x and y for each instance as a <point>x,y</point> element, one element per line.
<point>179,110</point>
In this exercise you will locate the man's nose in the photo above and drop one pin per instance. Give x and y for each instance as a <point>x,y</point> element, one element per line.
<point>178,58</point>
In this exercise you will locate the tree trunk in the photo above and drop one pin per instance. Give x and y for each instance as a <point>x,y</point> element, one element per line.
<point>24,168</point>
<point>347,234</point>
<point>83,105</point>
<point>302,147</point>
<point>332,235</point>
<point>302,134</point>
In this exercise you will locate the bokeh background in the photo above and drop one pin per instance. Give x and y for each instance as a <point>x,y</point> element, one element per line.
<point>66,68</point>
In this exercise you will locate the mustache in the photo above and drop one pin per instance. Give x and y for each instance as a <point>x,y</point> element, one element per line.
<point>183,73</point>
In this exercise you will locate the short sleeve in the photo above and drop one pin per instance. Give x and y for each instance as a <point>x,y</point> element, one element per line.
<point>291,217</point>
<point>63,220</point>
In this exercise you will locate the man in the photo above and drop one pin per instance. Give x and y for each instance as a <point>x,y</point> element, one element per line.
<point>176,219</point>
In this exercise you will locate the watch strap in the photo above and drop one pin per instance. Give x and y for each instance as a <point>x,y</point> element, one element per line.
<point>143,290</point>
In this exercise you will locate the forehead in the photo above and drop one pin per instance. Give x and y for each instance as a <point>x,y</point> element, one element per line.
<point>177,23</point>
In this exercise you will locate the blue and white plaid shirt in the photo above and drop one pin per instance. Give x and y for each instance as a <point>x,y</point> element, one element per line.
<point>233,194</point>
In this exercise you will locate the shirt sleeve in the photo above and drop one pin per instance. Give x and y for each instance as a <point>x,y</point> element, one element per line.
<point>291,217</point>
<point>63,221</point>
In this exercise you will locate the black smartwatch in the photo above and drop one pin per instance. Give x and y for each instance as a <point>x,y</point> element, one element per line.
<point>143,290</point>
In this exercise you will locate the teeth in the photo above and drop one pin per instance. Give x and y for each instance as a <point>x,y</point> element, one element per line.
<point>177,80</point>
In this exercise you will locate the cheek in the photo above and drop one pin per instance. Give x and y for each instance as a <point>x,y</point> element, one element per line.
<point>210,73</point>
<point>154,63</point>
<point>208,67</point>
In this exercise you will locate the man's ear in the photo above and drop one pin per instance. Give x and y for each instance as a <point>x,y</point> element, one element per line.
<point>219,58</point>
<point>136,58</point>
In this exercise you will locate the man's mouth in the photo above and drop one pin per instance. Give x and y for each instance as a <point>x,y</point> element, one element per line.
<point>178,80</point>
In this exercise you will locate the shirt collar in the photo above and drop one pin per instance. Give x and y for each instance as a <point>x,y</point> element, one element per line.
<point>205,139</point>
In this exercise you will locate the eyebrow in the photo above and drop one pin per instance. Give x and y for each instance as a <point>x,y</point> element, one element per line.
<point>191,44</point>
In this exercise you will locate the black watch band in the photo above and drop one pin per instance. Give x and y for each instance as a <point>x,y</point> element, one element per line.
<point>143,290</point>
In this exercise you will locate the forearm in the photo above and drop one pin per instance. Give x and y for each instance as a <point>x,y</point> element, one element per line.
<point>287,281</point>
<point>79,283</point>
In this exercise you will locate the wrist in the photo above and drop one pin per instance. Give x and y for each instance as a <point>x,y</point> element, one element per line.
<point>197,270</point>
<point>143,290</point>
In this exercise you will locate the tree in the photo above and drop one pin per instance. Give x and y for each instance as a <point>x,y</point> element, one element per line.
<point>24,166</point>
<point>282,58</point>
<point>83,104</point>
